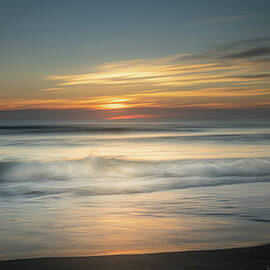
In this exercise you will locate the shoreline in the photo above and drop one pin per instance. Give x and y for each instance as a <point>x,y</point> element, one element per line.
<point>255,257</point>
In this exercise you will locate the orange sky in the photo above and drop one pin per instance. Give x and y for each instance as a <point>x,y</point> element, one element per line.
<point>219,79</point>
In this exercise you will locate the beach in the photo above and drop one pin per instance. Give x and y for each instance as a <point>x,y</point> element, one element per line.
<point>239,258</point>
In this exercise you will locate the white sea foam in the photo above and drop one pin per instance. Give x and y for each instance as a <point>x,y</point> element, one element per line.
<point>103,175</point>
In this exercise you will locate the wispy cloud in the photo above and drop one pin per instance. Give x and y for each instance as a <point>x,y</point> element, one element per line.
<point>232,65</point>
<point>235,75</point>
<point>53,89</point>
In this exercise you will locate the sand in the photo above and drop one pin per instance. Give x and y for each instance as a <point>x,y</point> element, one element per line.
<point>255,258</point>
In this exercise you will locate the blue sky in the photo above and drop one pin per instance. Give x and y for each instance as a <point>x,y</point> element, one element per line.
<point>99,31</point>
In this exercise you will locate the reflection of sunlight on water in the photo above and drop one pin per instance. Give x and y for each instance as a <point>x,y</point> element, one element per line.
<point>184,144</point>
<point>139,151</point>
<point>159,222</point>
<point>59,208</point>
<point>167,221</point>
<point>201,218</point>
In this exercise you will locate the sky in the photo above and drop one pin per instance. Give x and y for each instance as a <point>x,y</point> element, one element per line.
<point>134,59</point>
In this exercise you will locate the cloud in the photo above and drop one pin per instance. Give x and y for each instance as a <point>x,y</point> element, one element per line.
<point>250,48</point>
<point>230,76</point>
<point>223,65</point>
<point>257,52</point>
<point>206,79</point>
<point>255,76</point>
<point>53,89</point>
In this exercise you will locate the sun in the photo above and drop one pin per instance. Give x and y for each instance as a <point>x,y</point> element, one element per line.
<point>114,106</point>
<point>113,103</point>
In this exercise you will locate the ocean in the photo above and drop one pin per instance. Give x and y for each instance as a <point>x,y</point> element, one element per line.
<point>75,188</point>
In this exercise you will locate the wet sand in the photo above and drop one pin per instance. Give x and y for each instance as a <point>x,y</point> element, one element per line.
<point>238,258</point>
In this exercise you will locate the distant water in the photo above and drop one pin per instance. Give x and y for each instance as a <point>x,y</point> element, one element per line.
<point>87,188</point>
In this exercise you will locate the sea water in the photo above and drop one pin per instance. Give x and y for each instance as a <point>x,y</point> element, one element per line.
<point>73,188</point>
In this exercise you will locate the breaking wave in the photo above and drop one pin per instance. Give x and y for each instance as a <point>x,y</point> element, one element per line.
<point>108,176</point>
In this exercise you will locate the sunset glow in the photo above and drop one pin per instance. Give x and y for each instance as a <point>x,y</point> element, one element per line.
<point>113,106</point>
<point>133,127</point>
<point>180,81</point>
<point>135,116</point>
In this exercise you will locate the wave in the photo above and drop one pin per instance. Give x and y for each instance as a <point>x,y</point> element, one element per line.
<point>108,176</point>
<point>105,128</point>
<point>39,129</point>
